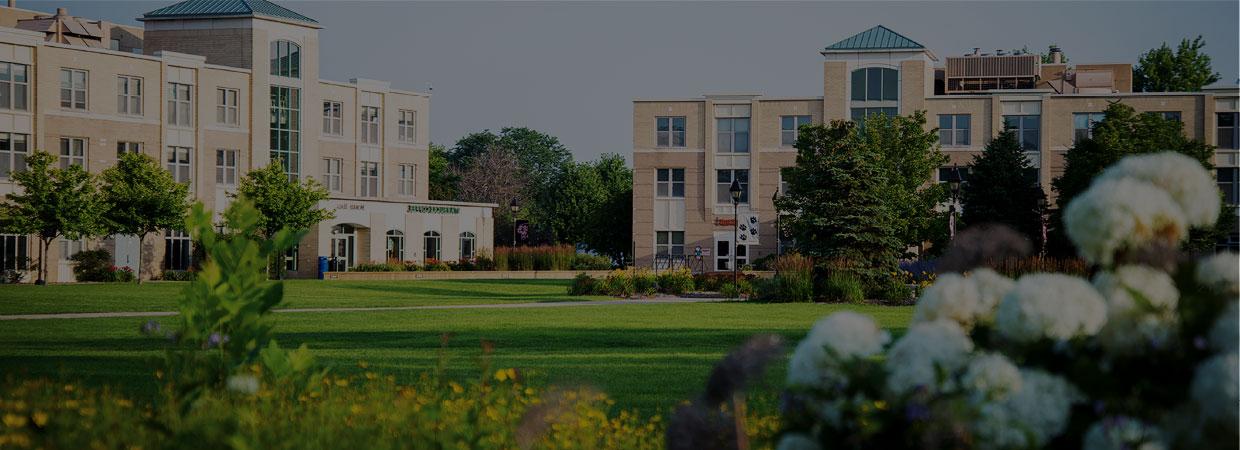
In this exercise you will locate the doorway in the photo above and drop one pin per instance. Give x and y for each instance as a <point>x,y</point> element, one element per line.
<point>343,243</point>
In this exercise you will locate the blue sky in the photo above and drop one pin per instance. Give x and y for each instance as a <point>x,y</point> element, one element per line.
<point>571,69</point>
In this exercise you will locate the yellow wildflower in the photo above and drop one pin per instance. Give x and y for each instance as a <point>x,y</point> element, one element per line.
<point>14,421</point>
<point>40,418</point>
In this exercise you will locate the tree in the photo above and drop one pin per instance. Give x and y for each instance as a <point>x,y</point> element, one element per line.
<point>283,202</point>
<point>493,176</point>
<point>51,203</point>
<point>612,231</point>
<point>909,154</point>
<point>142,198</point>
<point>1187,69</point>
<point>1122,132</point>
<point>442,181</point>
<point>591,205</point>
<point>998,192</point>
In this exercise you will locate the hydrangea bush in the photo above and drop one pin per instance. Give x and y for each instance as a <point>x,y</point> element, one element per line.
<point>1141,356</point>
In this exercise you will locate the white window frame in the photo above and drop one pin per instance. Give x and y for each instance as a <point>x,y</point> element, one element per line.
<point>333,118</point>
<point>730,134</point>
<point>368,125</point>
<point>14,252</point>
<point>71,154</point>
<point>180,241</point>
<point>123,147</point>
<point>432,251</point>
<point>129,95</point>
<point>788,137</point>
<point>394,245</point>
<point>665,243</point>
<point>225,105</point>
<point>179,161</point>
<point>369,183</point>
<point>333,173</point>
<point>721,188</point>
<point>468,245</point>
<point>226,167</point>
<point>11,86</point>
<point>404,184</point>
<point>13,159</point>
<point>1091,119</point>
<point>180,105</point>
<point>70,247</point>
<point>954,131</point>
<point>666,134</point>
<point>666,182</point>
<point>407,126</point>
<point>70,86</point>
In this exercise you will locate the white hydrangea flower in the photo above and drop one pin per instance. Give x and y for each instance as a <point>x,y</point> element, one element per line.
<point>1220,272</point>
<point>1054,306</point>
<point>1042,404</point>
<point>1225,335</point>
<point>992,286</point>
<point>835,338</point>
<point>928,348</point>
<point>995,429</point>
<point>1216,389</point>
<point>951,297</point>
<point>1122,214</point>
<point>243,384</point>
<point>1141,304</point>
<point>797,441</point>
<point>1123,433</point>
<point>991,376</point>
<point>1189,184</point>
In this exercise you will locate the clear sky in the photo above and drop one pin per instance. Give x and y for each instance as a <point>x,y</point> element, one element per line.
<point>572,69</point>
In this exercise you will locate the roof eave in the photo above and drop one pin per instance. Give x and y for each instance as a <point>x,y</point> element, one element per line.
<point>928,52</point>
<point>303,23</point>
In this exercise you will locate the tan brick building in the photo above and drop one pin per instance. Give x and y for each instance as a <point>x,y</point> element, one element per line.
<point>212,89</point>
<point>686,152</point>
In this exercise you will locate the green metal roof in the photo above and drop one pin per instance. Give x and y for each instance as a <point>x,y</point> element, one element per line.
<point>189,9</point>
<point>877,38</point>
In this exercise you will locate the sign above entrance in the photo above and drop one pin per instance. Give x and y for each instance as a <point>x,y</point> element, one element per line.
<point>352,206</point>
<point>433,209</point>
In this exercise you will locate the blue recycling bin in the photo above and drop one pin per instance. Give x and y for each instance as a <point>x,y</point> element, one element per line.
<point>322,266</point>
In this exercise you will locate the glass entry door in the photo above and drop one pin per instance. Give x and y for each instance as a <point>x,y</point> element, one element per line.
<point>344,238</point>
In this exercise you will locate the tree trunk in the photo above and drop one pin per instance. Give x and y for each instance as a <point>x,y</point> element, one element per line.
<point>141,265</point>
<point>47,243</point>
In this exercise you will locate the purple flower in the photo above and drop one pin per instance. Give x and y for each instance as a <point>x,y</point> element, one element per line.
<point>1199,343</point>
<point>216,340</point>
<point>149,328</point>
<point>916,412</point>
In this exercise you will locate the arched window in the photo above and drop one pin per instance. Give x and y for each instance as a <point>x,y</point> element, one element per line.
<point>395,245</point>
<point>430,245</point>
<point>875,84</point>
<point>343,228</point>
<point>285,59</point>
<point>467,245</point>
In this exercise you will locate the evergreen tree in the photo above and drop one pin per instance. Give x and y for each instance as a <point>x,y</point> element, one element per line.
<point>142,198</point>
<point>998,189</point>
<point>52,202</point>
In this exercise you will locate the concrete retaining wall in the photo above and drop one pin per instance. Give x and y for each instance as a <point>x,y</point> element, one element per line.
<point>481,275</point>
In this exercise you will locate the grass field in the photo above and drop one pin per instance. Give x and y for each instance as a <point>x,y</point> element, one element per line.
<point>648,357</point>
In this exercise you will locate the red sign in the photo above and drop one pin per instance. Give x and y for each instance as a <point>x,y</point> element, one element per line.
<point>725,222</point>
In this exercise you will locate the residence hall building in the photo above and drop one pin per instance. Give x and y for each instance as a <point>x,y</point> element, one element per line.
<point>212,89</point>
<point>687,152</point>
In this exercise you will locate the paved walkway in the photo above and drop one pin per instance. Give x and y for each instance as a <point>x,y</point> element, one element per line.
<point>650,301</point>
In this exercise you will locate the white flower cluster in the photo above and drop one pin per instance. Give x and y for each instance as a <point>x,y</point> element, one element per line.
<point>1141,304</point>
<point>1037,410</point>
<point>835,339</point>
<point>1181,176</point>
<point>1216,389</point>
<point>1123,433</point>
<point>928,349</point>
<point>1054,306</point>
<point>964,300</point>
<point>1220,272</point>
<point>1225,335</point>
<point>991,376</point>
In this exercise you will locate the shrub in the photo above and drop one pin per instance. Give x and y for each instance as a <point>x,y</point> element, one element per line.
<point>483,261</point>
<point>894,290</point>
<point>378,267</point>
<point>123,275</point>
<point>793,278</point>
<point>645,282</point>
<point>435,265</point>
<point>618,283</point>
<point>676,281</point>
<point>764,263</point>
<point>1015,267</point>
<point>178,275</point>
<point>411,266</point>
<point>93,265</point>
<point>591,262</point>
<point>10,276</point>
<point>546,257</point>
<point>842,286</point>
<point>743,288</point>
<point>582,285</point>
<point>501,258</point>
<point>714,281</point>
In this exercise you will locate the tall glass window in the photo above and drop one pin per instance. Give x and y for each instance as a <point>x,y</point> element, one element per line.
<point>788,129</point>
<point>333,118</point>
<point>14,86</point>
<point>875,84</point>
<point>1083,125</point>
<point>669,131</point>
<point>180,105</point>
<point>733,135</point>
<point>1028,130</point>
<point>669,243</point>
<point>285,59</point>
<point>430,245</point>
<point>178,164</point>
<point>954,130</point>
<point>129,95</point>
<point>369,179</point>
<point>226,167</point>
<point>404,184</point>
<point>73,87</point>
<point>286,128</point>
<point>670,183</point>
<point>407,126</point>
<point>1227,130</point>
<point>13,152</point>
<point>177,254</point>
<point>14,252</point>
<point>723,182</point>
<point>369,129</point>
<point>332,173</point>
<point>226,108</point>
<point>468,245</point>
<point>395,246</point>
<point>72,152</point>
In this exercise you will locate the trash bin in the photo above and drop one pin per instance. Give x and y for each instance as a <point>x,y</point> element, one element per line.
<point>322,266</point>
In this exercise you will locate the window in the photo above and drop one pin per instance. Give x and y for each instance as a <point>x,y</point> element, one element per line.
<point>123,147</point>
<point>669,131</point>
<point>285,135</point>
<point>226,167</point>
<point>405,182</point>
<point>723,258</point>
<point>14,86</point>
<point>1083,125</point>
<point>1229,182</point>
<point>369,131</point>
<point>1170,115</point>
<point>669,243</point>
<point>14,252</point>
<point>430,245</point>
<point>285,59</point>
<point>1027,130</point>
<point>73,89</point>
<point>395,245</point>
<point>788,126</point>
<point>954,130</point>
<point>333,118</point>
<point>875,84</point>
<point>70,247</point>
<point>670,183</point>
<point>13,152</point>
<point>129,95</point>
<point>176,250</point>
<point>1227,136</point>
<point>369,179</point>
<point>723,182</point>
<point>178,164</point>
<point>407,126</point>
<point>180,106</point>
<point>290,259</point>
<point>860,114</point>
<point>72,151</point>
<point>733,135</point>
<point>468,245</point>
<point>331,173</point>
<point>226,110</point>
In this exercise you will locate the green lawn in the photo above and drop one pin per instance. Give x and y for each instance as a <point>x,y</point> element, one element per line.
<point>161,296</point>
<point>647,357</point>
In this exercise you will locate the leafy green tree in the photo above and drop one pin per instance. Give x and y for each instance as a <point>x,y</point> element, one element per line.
<point>591,205</point>
<point>1187,69</point>
<point>540,158</point>
<point>1122,132</point>
<point>611,234</point>
<point>998,192</point>
<point>142,198</point>
<point>52,202</point>
<point>909,155</point>
<point>283,203</point>
<point>443,181</point>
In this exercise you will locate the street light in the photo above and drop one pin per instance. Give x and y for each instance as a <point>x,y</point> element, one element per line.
<point>953,184</point>
<point>1043,219</point>
<point>779,233</point>
<point>736,192</point>
<point>514,207</point>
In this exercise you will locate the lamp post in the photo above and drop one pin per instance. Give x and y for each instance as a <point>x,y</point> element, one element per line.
<point>779,232</point>
<point>736,192</point>
<point>1043,219</point>
<point>514,207</point>
<point>953,184</point>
